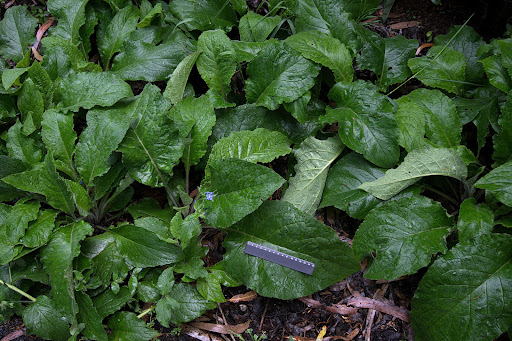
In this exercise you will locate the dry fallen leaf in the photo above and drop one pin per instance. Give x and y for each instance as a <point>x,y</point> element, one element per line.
<point>248,296</point>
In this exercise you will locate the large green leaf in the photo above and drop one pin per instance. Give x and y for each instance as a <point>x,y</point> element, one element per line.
<point>177,83</point>
<point>142,248</point>
<point>105,129</point>
<point>24,148</point>
<point>61,57</point>
<point>465,40</point>
<point>314,157</point>
<point>474,220</point>
<point>152,146</point>
<point>139,60</point>
<point>109,302</point>
<point>290,76</point>
<point>88,315</point>
<point>43,319</point>
<point>259,145</point>
<point>280,226</point>
<point>38,232</point>
<point>404,234</point>
<point>44,179</point>
<point>465,294</point>
<point>31,102</point>
<point>8,166</point>
<point>499,182</point>
<point>366,121</point>
<point>17,30</point>
<point>254,27</point>
<point>342,185</point>
<point>57,258</point>
<point>71,16</point>
<point>503,139</point>
<point>431,113</point>
<point>59,138</point>
<point>197,116</point>
<point>497,73</point>
<point>117,31</point>
<point>204,15</point>
<point>418,163</point>
<point>441,68</point>
<point>325,50</point>
<point>125,325</point>
<point>388,59</point>
<point>182,304</point>
<point>217,63</point>
<point>240,188</point>
<point>87,89</point>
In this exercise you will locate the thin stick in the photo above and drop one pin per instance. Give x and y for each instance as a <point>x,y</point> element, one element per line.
<point>225,321</point>
<point>19,291</point>
<point>263,317</point>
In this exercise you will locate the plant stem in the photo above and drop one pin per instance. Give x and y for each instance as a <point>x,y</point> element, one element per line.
<point>19,291</point>
<point>444,195</point>
<point>145,312</point>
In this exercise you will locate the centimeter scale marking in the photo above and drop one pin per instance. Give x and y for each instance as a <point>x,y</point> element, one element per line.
<point>280,258</point>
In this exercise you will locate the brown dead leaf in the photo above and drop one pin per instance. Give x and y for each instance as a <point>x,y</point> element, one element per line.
<point>385,307</point>
<point>222,328</point>
<point>198,334</point>
<point>247,297</point>
<point>404,24</point>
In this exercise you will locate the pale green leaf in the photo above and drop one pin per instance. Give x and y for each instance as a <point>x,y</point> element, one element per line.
<point>17,32</point>
<point>366,121</point>
<point>254,27</point>
<point>280,226</point>
<point>418,163</point>
<point>403,234</point>
<point>314,157</point>
<point>464,295</point>
<point>499,182</point>
<point>325,50</point>
<point>240,187</point>
<point>175,88</point>
<point>88,89</point>
<point>57,258</point>
<point>209,287</point>
<point>10,76</point>
<point>290,76</point>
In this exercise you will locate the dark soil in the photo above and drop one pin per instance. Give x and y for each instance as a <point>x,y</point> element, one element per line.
<point>281,319</point>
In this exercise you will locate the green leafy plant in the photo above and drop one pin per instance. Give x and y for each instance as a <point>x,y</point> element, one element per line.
<point>110,177</point>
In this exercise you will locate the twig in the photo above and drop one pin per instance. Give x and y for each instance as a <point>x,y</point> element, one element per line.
<point>225,321</point>
<point>19,291</point>
<point>263,317</point>
<point>384,307</point>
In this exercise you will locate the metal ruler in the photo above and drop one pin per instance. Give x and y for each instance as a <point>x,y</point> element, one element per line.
<point>280,258</point>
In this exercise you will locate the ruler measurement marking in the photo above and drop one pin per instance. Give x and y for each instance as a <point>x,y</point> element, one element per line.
<point>280,258</point>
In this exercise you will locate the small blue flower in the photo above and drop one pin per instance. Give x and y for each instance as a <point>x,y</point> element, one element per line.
<point>209,195</point>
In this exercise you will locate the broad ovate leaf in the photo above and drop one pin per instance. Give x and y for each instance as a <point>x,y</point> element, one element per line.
<point>429,112</point>
<point>442,68</point>
<point>125,325</point>
<point>388,59</point>
<point>88,89</point>
<point>143,61</point>
<point>57,257</point>
<point>496,73</point>
<point>254,27</point>
<point>105,130</point>
<point>239,188</point>
<point>499,182</point>
<point>16,32</point>
<point>325,50</point>
<point>204,15</point>
<point>71,16</point>
<point>314,157</point>
<point>217,63</point>
<point>404,234</point>
<point>59,137</point>
<point>465,293</point>
<point>474,220</point>
<point>366,121</point>
<point>44,319</point>
<point>426,161</point>
<point>290,76</point>
<point>259,145</point>
<point>278,225</point>
<point>342,185</point>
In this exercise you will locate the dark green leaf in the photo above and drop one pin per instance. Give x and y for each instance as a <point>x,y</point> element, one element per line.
<point>31,102</point>
<point>314,157</point>
<point>204,15</point>
<point>367,122</point>
<point>71,16</point>
<point>150,207</point>
<point>16,32</point>
<point>143,61</point>
<point>44,320</point>
<point>87,89</point>
<point>404,234</point>
<point>209,287</point>
<point>288,79</point>
<point>59,138</point>
<point>465,293</point>
<point>126,326</point>
<point>254,27</point>
<point>280,226</point>
<point>61,57</point>
<point>89,316</point>
<point>148,17</point>
<point>474,220</point>
<point>240,187</point>
<point>185,229</point>
<point>499,183</point>
<point>497,73</point>
<point>142,248</point>
<point>57,258</point>
<point>503,139</point>
<point>323,14</point>
<point>21,147</point>
<point>38,231</point>
<point>388,59</point>
<point>108,302</point>
<point>342,185</point>
<point>418,163</point>
<point>182,304</point>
